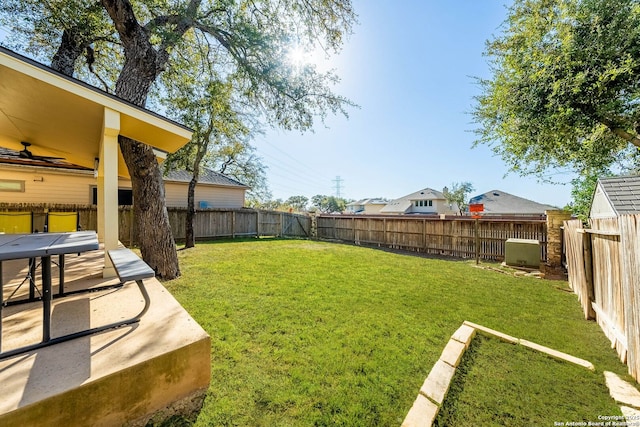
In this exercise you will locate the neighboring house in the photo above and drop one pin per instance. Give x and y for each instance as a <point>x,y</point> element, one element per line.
<point>426,201</point>
<point>498,202</point>
<point>214,190</point>
<point>366,206</point>
<point>616,196</point>
<point>59,182</point>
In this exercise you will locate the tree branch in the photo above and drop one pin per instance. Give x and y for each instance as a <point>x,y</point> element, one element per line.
<point>620,132</point>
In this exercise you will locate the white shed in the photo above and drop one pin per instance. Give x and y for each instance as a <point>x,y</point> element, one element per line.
<point>616,196</point>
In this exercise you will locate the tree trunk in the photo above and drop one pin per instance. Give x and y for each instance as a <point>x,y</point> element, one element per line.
<point>141,67</point>
<point>190,240</point>
<point>157,245</point>
<point>69,50</point>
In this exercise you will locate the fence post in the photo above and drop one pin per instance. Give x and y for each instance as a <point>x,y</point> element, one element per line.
<point>384,231</point>
<point>281,224</point>
<point>233,224</point>
<point>313,230</point>
<point>588,273</point>
<point>353,226</point>
<point>553,268</point>
<point>477,239</point>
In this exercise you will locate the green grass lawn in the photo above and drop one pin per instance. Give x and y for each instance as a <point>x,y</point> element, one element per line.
<point>311,334</point>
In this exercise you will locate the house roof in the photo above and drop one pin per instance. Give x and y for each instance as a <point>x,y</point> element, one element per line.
<point>403,204</point>
<point>623,193</point>
<point>207,176</point>
<point>501,202</point>
<point>64,117</point>
<point>363,202</point>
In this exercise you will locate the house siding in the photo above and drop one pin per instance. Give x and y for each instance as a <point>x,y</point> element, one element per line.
<point>75,187</point>
<point>39,187</point>
<point>444,208</point>
<point>424,209</point>
<point>438,207</point>
<point>214,196</point>
<point>373,209</point>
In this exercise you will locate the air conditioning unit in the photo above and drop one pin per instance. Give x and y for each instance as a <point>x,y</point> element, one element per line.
<point>522,253</point>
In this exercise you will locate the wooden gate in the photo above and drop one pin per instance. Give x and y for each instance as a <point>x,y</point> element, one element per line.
<point>604,267</point>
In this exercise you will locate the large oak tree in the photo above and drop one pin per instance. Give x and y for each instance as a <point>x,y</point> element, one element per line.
<point>565,87</point>
<point>125,45</point>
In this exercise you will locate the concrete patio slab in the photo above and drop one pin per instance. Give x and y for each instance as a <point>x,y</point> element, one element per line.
<point>119,377</point>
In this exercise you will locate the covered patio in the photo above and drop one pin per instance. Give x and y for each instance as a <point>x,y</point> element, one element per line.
<point>125,375</point>
<point>64,117</point>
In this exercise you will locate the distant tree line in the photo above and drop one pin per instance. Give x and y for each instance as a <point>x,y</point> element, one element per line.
<point>318,203</point>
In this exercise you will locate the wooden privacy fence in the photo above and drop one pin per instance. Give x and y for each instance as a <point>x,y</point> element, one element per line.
<point>215,223</point>
<point>603,263</point>
<point>209,223</point>
<point>451,236</point>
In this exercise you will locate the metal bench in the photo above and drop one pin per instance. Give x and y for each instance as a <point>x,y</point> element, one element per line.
<point>130,267</point>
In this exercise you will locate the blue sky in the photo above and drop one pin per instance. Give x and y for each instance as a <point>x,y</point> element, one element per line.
<point>410,67</point>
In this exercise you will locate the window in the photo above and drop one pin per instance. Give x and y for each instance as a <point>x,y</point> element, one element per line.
<point>430,202</point>
<point>125,196</point>
<point>11,185</point>
<point>417,203</point>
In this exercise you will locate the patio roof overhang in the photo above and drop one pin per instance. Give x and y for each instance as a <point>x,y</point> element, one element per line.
<point>63,117</point>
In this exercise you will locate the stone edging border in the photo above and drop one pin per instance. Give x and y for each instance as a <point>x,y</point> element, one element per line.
<point>435,387</point>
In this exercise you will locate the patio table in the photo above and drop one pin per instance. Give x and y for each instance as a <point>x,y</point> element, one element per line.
<point>42,245</point>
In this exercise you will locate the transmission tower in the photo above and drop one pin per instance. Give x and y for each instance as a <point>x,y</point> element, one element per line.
<point>338,186</point>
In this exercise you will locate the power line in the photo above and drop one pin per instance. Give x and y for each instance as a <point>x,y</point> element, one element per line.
<point>287,168</point>
<point>292,173</point>
<point>306,169</point>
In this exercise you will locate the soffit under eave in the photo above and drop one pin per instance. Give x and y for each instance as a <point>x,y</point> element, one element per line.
<point>63,118</point>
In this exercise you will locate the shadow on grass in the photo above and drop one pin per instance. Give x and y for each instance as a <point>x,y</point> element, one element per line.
<point>398,251</point>
<point>222,240</point>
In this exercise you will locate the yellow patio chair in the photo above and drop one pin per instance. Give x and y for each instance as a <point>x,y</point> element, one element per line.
<point>20,222</point>
<point>16,222</point>
<point>60,222</point>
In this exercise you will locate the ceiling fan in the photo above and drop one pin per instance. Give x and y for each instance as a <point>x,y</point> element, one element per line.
<point>26,154</point>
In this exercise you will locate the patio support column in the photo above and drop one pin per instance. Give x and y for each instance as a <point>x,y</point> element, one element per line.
<point>108,187</point>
